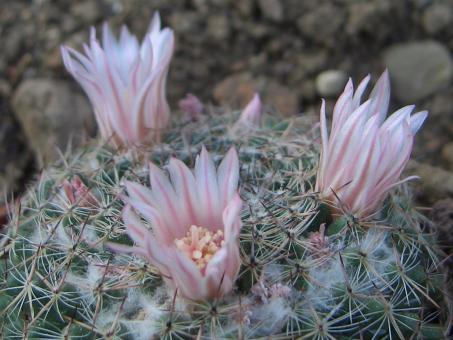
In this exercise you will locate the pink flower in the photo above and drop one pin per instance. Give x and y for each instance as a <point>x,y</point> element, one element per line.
<point>365,154</point>
<point>195,219</point>
<point>251,115</point>
<point>78,193</point>
<point>125,81</point>
<point>191,105</point>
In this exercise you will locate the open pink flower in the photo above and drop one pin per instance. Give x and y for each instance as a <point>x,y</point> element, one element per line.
<point>125,81</point>
<point>251,115</point>
<point>365,154</point>
<point>195,219</point>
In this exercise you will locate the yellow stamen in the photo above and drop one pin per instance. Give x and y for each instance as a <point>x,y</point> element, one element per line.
<point>200,244</point>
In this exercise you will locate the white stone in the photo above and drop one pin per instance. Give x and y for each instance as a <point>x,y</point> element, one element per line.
<point>331,83</point>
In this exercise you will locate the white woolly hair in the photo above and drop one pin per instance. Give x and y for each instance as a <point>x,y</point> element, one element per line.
<point>330,275</point>
<point>325,278</point>
<point>86,284</point>
<point>150,310</point>
<point>268,318</point>
<point>272,272</point>
<point>378,250</point>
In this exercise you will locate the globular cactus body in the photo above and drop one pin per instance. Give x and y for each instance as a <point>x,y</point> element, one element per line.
<point>303,274</point>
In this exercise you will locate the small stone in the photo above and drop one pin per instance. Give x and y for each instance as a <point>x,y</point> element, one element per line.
<point>447,154</point>
<point>236,89</point>
<point>220,3</point>
<point>437,17</point>
<point>271,9</point>
<point>52,114</point>
<point>68,23</point>
<point>12,44</point>
<point>422,3</point>
<point>418,69</point>
<point>434,183</point>
<point>52,37</point>
<point>331,83</point>
<point>282,98</point>
<point>309,63</point>
<point>361,17</point>
<point>257,30</point>
<point>184,22</point>
<point>322,24</point>
<point>442,216</point>
<point>53,59</point>
<point>245,8</point>
<point>219,27</point>
<point>87,11</point>
<point>201,6</point>
<point>5,88</point>
<point>367,16</point>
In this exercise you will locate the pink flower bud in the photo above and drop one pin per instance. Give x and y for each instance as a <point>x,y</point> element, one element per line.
<point>191,105</point>
<point>251,116</point>
<point>78,193</point>
<point>365,154</point>
<point>125,82</point>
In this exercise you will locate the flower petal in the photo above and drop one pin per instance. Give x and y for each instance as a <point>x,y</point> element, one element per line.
<point>208,191</point>
<point>217,280</point>
<point>343,107</point>
<point>228,176</point>
<point>162,232</point>
<point>134,227</point>
<point>356,99</point>
<point>165,200</point>
<point>138,192</point>
<point>231,218</point>
<point>187,276</point>
<point>380,96</point>
<point>185,188</point>
<point>417,120</point>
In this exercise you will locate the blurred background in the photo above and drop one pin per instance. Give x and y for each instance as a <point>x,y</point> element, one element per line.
<point>292,51</point>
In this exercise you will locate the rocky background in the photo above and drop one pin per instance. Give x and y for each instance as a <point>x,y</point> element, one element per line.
<point>293,52</point>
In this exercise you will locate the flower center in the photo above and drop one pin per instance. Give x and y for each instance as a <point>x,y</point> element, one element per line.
<point>200,244</point>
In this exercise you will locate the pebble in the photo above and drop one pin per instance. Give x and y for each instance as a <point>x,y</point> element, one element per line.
<point>52,114</point>
<point>331,83</point>
<point>437,17</point>
<point>418,69</point>
<point>271,9</point>
<point>435,183</point>
<point>447,154</point>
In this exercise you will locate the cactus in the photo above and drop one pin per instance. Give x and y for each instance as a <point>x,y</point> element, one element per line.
<point>304,274</point>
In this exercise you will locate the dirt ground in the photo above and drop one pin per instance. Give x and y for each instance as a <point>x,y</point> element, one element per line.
<point>294,52</point>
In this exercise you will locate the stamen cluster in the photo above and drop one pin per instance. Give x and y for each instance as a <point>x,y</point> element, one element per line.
<point>200,244</point>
